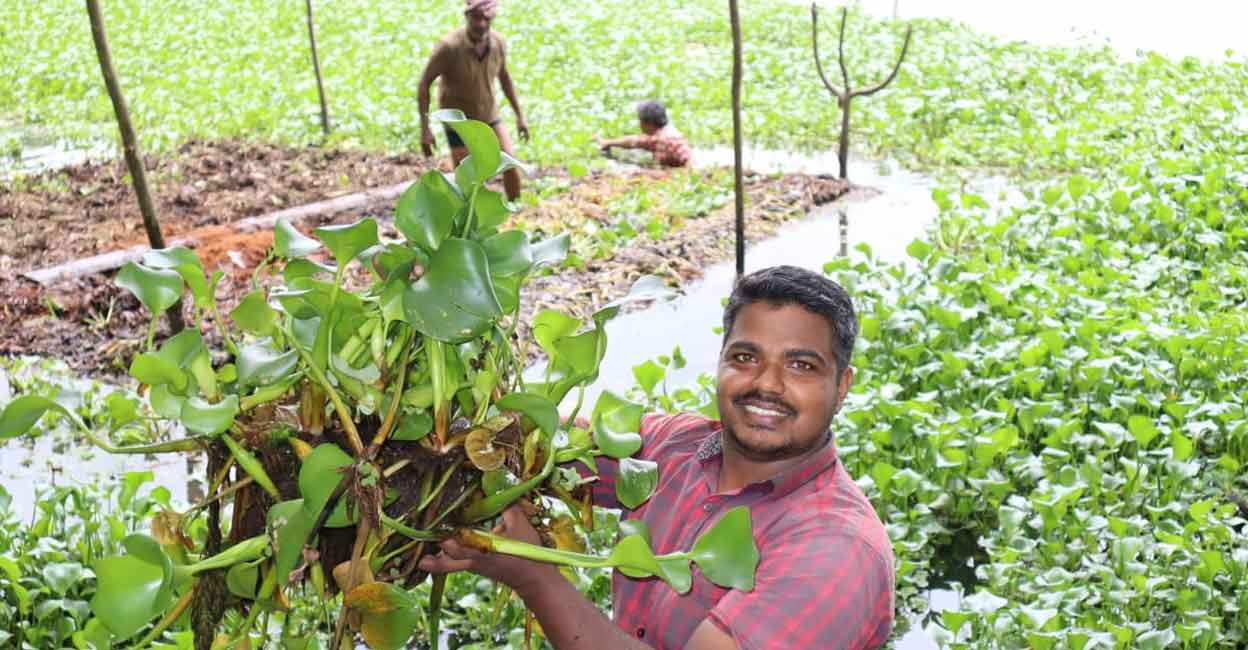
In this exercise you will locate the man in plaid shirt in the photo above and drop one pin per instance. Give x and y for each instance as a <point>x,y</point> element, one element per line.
<point>658,136</point>
<point>825,578</point>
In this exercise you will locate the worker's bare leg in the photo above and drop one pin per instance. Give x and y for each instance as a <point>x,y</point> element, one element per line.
<point>511,177</point>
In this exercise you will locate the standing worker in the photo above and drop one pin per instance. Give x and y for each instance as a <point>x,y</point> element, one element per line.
<point>467,61</point>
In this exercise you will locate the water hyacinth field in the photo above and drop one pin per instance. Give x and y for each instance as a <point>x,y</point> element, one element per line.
<point>1049,406</point>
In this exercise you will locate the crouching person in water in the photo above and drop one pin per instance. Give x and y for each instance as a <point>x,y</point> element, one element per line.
<point>825,577</point>
<point>669,146</point>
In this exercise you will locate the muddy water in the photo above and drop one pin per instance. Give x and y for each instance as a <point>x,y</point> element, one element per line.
<point>28,465</point>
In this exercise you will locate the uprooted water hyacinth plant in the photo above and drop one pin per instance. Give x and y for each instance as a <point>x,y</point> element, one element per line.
<point>351,431</point>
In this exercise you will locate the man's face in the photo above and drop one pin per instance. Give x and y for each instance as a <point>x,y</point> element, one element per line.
<point>648,128</point>
<point>778,384</point>
<point>478,24</point>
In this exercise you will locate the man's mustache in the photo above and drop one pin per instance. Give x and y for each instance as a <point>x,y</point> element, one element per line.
<point>759,399</point>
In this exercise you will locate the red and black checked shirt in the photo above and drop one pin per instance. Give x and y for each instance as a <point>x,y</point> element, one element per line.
<point>825,576</point>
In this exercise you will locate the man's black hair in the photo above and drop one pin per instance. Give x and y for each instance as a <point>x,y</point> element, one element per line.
<point>653,112</point>
<point>790,285</point>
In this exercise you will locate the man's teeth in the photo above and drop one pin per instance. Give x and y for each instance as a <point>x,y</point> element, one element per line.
<point>758,410</point>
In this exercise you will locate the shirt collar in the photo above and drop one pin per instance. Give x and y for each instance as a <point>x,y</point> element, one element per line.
<point>710,455</point>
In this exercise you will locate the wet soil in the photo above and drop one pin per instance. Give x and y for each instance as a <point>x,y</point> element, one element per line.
<point>89,209</point>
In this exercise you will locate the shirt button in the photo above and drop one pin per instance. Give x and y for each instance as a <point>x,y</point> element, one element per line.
<point>641,633</point>
<point>707,507</point>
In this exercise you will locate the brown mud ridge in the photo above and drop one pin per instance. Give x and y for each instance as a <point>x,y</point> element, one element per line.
<point>89,209</point>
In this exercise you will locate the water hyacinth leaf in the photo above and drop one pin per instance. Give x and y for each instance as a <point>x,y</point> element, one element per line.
<point>455,299</point>
<point>23,412</point>
<point>157,289</point>
<point>93,636</point>
<point>388,614</point>
<point>634,558</point>
<point>132,589</point>
<point>1143,429</point>
<point>675,572</point>
<point>617,425</point>
<point>243,579</point>
<point>61,576</point>
<point>647,287</point>
<point>542,411</point>
<point>508,253</point>
<point>648,375</point>
<point>254,315</point>
<point>320,473</point>
<point>413,426</point>
<point>508,291</point>
<point>289,243</point>
<point>465,180</point>
<point>490,210</point>
<point>165,403</point>
<point>185,263</point>
<point>260,363</point>
<point>290,524</point>
<point>304,268</point>
<point>198,416</point>
<point>349,240</point>
<point>551,251</point>
<point>156,370</point>
<point>549,326</point>
<point>481,141</point>
<point>426,211</point>
<point>726,553</point>
<point>636,481</point>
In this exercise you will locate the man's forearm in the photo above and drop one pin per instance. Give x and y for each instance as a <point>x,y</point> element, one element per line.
<point>570,620</point>
<point>422,100</point>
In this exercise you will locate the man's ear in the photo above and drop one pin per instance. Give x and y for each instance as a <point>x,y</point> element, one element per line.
<point>843,385</point>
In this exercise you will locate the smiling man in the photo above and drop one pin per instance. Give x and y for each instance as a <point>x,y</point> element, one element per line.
<point>825,579</point>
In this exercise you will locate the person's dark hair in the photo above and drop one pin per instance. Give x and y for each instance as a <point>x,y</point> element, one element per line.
<point>790,285</point>
<point>653,112</point>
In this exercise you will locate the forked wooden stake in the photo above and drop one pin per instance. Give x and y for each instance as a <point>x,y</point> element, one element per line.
<point>846,94</point>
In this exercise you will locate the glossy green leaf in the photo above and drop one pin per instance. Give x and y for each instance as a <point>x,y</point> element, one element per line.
<point>259,363</point>
<point>185,263</point>
<point>290,524</point>
<point>481,141</point>
<point>426,211</point>
<point>1143,429</point>
<point>156,370</point>
<point>23,412</point>
<point>455,299</point>
<point>648,375</point>
<point>320,474</point>
<point>413,426</point>
<point>551,251</point>
<point>550,325</point>
<point>490,210</point>
<point>157,289</point>
<point>207,419</point>
<point>726,553</point>
<point>347,241</point>
<point>254,315</point>
<point>289,243</point>
<point>542,411</point>
<point>508,253</point>
<point>636,481</point>
<point>243,580</point>
<point>617,425</point>
<point>132,589</point>
<point>61,576</point>
<point>388,614</point>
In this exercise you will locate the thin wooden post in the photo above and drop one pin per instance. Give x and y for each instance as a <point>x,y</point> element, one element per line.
<point>129,142</point>
<point>737,175</point>
<point>316,67</point>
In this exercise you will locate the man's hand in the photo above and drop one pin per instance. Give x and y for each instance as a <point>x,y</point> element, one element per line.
<point>426,141</point>
<point>603,144</point>
<point>522,128</point>
<point>519,574</point>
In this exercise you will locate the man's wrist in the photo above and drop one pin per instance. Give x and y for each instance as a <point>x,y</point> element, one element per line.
<point>539,582</point>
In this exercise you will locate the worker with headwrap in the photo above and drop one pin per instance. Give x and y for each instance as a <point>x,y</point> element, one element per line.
<point>466,62</point>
